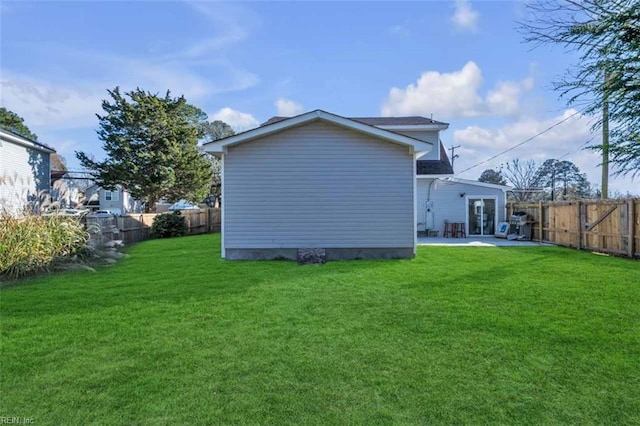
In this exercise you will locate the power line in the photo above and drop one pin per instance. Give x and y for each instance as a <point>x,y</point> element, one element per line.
<point>521,143</point>
<point>575,150</point>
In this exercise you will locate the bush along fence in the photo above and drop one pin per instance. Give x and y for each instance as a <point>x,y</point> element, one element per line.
<point>608,226</point>
<point>133,228</point>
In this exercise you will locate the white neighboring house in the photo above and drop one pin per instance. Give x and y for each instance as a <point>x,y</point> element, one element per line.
<point>25,171</point>
<point>355,187</point>
<point>117,200</point>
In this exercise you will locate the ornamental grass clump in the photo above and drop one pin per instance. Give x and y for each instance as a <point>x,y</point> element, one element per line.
<point>32,243</point>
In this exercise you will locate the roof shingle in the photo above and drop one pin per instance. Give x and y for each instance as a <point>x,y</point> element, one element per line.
<point>435,167</point>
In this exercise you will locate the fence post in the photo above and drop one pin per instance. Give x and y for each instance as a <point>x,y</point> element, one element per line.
<point>631,221</point>
<point>579,233</point>
<point>540,221</point>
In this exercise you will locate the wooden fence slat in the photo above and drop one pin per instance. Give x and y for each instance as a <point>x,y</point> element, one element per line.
<point>601,218</point>
<point>630,228</point>
<point>570,223</point>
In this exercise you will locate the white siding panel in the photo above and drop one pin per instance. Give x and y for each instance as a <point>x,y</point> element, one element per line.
<point>318,185</point>
<point>429,136</point>
<point>24,172</point>
<point>447,202</point>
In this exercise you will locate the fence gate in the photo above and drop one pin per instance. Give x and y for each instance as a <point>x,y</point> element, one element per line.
<point>609,226</point>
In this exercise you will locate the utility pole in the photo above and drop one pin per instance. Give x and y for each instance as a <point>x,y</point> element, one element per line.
<point>605,137</point>
<point>453,154</point>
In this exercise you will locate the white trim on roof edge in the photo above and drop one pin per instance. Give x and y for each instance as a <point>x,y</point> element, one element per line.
<point>505,188</point>
<point>19,140</point>
<point>451,178</point>
<point>414,126</point>
<point>220,145</point>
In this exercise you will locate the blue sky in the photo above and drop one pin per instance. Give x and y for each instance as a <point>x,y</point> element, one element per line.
<point>462,61</point>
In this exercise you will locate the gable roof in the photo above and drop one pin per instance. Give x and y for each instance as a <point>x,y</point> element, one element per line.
<point>435,167</point>
<point>380,121</point>
<point>219,145</point>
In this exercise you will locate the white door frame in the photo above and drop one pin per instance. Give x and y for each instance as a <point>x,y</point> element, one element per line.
<point>466,212</point>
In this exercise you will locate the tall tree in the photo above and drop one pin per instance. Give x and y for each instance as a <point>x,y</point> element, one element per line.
<point>213,131</point>
<point>492,176</point>
<point>523,177</point>
<point>12,122</point>
<point>151,144</point>
<point>563,180</point>
<point>217,130</point>
<point>606,35</point>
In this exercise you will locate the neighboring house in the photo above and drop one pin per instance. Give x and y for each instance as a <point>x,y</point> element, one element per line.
<point>358,188</point>
<point>117,200</point>
<point>25,172</point>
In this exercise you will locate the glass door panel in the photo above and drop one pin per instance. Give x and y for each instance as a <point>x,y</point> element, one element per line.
<point>482,213</point>
<point>488,216</point>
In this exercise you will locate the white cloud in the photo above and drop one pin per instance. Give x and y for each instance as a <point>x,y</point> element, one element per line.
<point>43,104</point>
<point>288,108</point>
<point>456,94</point>
<point>464,17</point>
<point>504,98</point>
<point>230,22</point>
<point>565,141</point>
<point>239,121</point>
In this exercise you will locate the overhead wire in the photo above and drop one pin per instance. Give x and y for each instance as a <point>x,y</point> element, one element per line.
<point>521,143</point>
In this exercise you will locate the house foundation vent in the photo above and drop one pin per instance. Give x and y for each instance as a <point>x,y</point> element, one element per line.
<point>307,256</point>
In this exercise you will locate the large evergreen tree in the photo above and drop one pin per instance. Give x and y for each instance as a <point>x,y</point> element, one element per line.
<point>213,131</point>
<point>492,176</point>
<point>562,180</point>
<point>151,144</point>
<point>606,36</point>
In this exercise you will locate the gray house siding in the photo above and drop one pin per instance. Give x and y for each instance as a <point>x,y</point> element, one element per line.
<point>449,205</point>
<point>25,172</point>
<point>318,186</point>
<point>432,136</point>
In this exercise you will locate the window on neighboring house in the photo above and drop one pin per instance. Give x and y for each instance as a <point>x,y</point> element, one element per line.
<point>111,195</point>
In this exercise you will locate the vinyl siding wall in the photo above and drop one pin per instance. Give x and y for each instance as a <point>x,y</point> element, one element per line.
<point>448,204</point>
<point>24,172</point>
<point>318,185</point>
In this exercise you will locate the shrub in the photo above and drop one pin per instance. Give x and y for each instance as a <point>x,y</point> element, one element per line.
<point>169,225</point>
<point>34,243</point>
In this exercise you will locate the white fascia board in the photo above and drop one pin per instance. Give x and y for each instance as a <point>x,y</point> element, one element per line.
<point>483,184</point>
<point>401,127</point>
<point>18,140</point>
<point>219,145</point>
<point>433,176</point>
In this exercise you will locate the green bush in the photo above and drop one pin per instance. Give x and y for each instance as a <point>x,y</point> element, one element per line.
<point>169,225</point>
<point>34,243</point>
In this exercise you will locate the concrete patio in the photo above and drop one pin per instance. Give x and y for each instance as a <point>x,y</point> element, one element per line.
<point>475,242</point>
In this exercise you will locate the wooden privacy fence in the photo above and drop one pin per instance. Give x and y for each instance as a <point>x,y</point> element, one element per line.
<point>137,227</point>
<point>608,226</point>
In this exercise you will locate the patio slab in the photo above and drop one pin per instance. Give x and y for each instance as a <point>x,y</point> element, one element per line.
<point>475,242</point>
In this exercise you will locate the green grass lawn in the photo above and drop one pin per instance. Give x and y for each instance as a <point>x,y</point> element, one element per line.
<point>174,334</point>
